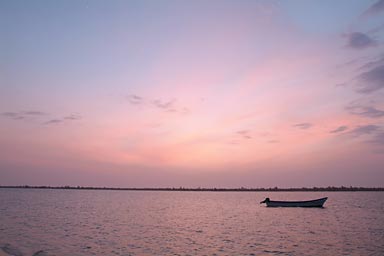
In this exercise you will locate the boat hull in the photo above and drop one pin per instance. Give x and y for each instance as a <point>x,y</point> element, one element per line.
<point>312,203</point>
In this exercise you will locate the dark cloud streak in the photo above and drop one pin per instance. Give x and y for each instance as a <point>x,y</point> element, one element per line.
<point>39,116</point>
<point>34,113</point>
<point>376,8</point>
<point>169,106</point>
<point>12,115</point>
<point>54,121</point>
<point>365,111</point>
<point>374,134</point>
<point>377,139</point>
<point>371,80</point>
<point>303,126</point>
<point>370,76</point>
<point>72,117</point>
<point>245,134</point>
<point>364,130</point>
<point>340,129</point>
<point>134,99</point>
<point>359,40</point>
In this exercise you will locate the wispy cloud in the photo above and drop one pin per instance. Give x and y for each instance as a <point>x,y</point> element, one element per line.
<point>134,99</point>
<point>29,114</point>
<point>54,121</point>
<point>303,126</point>
<point>369,134</point>
<point>370,63</point>
<point>39,116</point>
<point>34,113</point>
<point>376,8</point>
<point>377,139</point>
<point>72,117</point>
<point>365,130</point>
<point>168,105</point>
<point>339,129</point>
<point>68,118</point>
<point>370,76</point>
<point>245,134</point>
<point>365,111</point>
<point>359,40</point>
<point>12,115</point>
<point>372,80</point>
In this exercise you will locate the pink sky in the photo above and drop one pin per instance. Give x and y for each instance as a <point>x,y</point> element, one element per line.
<point>223,94</point>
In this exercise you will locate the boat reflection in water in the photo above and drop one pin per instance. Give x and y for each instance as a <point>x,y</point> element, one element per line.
<point>311,203</point>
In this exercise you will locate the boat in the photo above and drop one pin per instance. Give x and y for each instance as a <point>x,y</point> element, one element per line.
<point>311,203</point>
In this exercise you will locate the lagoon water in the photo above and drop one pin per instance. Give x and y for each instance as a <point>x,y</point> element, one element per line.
<point>85,222</point>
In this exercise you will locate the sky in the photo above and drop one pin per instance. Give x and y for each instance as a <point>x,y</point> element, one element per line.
<point>192,93</point>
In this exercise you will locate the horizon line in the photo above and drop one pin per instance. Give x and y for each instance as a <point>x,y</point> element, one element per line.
<point>205,189</point>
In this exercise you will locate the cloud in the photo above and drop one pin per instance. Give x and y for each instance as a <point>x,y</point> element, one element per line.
<point>73,117</point>
<point>370,77</point>
<point>365,111</point>
<point>303,126</point>
<point>340,129</point>
<point>39,116</point>
<point>167,105</point>
<point>365,129</point>
<point>12,115</point>
<point>372,62</point>
<point>359,40</point>
<point>370,134</point>
<point>377,139</point>
<point>376,8</point>
<point>134,99</point>
<point>23,114</point>
<point>371,80</point>
<point>245,134</point>
<point>34,113</point>
<point>54,121</point>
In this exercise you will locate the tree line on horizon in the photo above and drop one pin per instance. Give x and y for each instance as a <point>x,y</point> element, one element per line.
<point>241,189</point>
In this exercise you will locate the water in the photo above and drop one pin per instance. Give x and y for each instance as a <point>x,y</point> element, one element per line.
<point>80,222</point>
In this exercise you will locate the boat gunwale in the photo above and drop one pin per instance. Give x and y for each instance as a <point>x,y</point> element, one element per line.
<point>308,201</point>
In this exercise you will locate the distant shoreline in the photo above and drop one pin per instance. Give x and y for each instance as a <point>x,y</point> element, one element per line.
<point>242,189</point>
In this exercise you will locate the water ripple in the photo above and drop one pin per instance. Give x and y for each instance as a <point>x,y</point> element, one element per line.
<point>60,223</point>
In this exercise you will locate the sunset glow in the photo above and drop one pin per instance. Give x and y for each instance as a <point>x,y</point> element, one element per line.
<point>192,93</point>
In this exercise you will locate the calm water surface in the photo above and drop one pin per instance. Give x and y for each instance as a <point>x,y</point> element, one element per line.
<point>80,222</point>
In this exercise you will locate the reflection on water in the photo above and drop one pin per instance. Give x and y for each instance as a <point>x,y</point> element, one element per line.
<point>78,222</point>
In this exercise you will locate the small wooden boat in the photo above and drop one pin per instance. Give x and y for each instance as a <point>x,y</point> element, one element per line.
<point>312,203</point>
